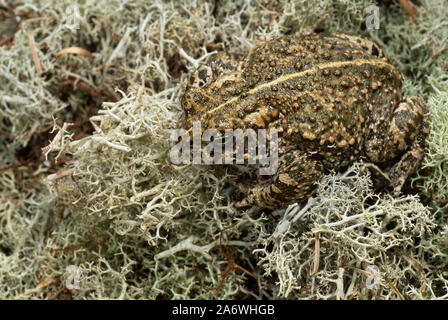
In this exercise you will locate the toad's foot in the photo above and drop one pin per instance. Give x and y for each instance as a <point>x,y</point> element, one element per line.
<point>295,180</point>
<point>409,115</point>
<point>404,168</point>
<point>375,170</point>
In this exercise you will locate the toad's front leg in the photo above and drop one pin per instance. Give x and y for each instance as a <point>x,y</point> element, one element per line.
<point>295,180</point>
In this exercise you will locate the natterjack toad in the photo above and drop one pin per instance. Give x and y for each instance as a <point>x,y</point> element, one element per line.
<point>335,99</point>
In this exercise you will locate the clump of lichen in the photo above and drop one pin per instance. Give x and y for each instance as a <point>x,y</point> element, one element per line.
<point>327,251</point>
<point>107,215</point>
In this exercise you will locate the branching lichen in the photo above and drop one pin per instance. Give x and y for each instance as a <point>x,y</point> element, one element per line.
<point>101,212</point>
<point>347,229</point>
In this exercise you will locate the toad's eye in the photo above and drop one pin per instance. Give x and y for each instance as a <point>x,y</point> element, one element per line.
<point>202,77</point>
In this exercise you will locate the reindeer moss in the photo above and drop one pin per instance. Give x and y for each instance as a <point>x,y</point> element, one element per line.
<point>92,208</point>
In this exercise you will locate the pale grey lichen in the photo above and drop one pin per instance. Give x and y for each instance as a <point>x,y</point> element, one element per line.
<point>346,230</point>
<point>108,216</point>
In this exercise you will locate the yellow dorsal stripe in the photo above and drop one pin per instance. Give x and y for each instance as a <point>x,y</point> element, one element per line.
<point>336,64</point>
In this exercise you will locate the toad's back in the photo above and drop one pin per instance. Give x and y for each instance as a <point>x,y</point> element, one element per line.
<point>326,95</point>
<point>333,98</point>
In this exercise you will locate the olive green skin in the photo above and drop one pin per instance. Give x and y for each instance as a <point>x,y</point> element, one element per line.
<point>334,99</point>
